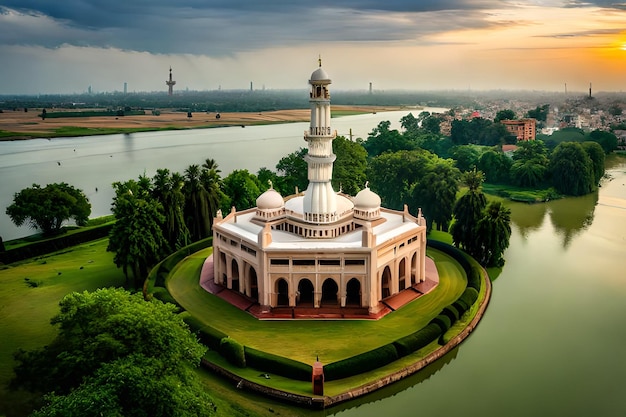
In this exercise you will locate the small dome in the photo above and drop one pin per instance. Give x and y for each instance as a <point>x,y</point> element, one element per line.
<point>366,199</point>
<point>269,200</point>
<point>320,75</point>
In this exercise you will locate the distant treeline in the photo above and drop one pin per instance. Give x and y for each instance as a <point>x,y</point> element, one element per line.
<point>235,100</point>
<point>93,113</point>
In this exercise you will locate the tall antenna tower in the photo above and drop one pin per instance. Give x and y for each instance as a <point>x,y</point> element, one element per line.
<point>170,84</point>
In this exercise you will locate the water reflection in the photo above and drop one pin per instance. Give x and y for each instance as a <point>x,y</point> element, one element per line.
<point>569,216</point>
<point>572,215</point>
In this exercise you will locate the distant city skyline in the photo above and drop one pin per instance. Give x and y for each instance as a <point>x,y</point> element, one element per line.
<point>68,47</point>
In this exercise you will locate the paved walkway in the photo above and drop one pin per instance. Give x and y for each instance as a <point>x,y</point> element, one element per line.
<point>245,303</point>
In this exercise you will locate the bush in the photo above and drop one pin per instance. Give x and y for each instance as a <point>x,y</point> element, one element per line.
<point>469,296</point>
<point>358,364</point>
<point>417,340</point>
<point>278,365</point>
<point>208,336</point>
<point>451,312</point>
<point>443,322</point>
<point>474,278</point>
<point>233,352</point>
<point>162,294</point>
<point>461,307</point>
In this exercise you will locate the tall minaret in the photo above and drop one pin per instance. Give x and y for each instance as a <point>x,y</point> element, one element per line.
<point>320,205</point>
<point>170,83</point>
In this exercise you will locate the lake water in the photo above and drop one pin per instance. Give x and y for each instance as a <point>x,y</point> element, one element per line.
<point>95,162</point>
<point>552,340</point>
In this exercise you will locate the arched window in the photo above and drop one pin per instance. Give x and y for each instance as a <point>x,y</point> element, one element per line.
<point>254,285</point>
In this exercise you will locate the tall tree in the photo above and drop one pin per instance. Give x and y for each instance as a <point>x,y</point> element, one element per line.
<point>530,164</point>
<point>596,154</point>
<point>505,114</point>
<point>383,139</point>
<point>467,211</point>
<point>168,190</point>
<point>242,189</point>
<point>293,169</point>
<point>350,166</point>
<point>436,193</point>
<point>492,234</point>
<point>392,175</point>
<point>116,355</point>
<point>47,208</point>
<point>137,235</point>
<point>197,210</point>
<point>572,169</point>
<point>495,165</point>
<point>212,183</point>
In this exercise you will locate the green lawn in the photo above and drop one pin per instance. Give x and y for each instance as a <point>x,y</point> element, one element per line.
<point>304,340</point>
<point>25,311</point>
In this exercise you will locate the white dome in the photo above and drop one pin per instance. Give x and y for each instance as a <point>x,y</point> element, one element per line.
<point>366,199</point>
<point>320,75</point>
<point>269,200</point>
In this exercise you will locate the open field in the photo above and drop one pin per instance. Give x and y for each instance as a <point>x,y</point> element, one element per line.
<point>16,125</point>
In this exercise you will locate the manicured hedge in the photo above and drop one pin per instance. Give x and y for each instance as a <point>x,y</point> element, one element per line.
<point>443,322</point>
<point>365,362</point>
<point>469,296</point>
<point>278,365</point>
<point>56,243</point>
<point>208,335</point>
<point>417,340</point>
<point>474,278</point>
<point>456,253</point>
<point>162,294</point>
<point>451,312</point>
<point>461,307</point>
<point>233,352</point>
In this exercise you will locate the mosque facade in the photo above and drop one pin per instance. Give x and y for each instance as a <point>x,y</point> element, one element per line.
<point>319,248</point>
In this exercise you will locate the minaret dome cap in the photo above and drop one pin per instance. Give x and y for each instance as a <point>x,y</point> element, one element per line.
<point>320,75</point>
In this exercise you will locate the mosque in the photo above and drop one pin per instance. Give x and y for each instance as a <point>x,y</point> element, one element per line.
<point>319,249</point>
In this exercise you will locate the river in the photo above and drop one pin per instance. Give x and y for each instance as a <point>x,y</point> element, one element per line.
<point>93,163</point>
<point>552,339</point>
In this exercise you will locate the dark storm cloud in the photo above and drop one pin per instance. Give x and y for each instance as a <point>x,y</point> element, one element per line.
<point>212,27</point>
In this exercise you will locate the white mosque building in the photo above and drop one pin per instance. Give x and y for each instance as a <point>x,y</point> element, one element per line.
<point>319,249</point>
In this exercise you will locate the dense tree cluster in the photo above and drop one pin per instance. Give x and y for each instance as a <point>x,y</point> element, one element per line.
<point>116,355</point>
<point>48,207</point>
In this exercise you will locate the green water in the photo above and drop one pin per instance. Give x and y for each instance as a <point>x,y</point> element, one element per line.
<point>553,338</point>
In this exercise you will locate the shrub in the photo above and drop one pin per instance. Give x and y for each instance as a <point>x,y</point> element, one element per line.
<point>162,294</point>
<point>469,296</point>
<point>233,352</point>
<point>451,312</point>
<point>417,340</point>
<point>278,365</point>
<point>358,364</point>
<point>474,278</point>
<point>209,336</point>
<point>461,307</point>
<point>443,322</point>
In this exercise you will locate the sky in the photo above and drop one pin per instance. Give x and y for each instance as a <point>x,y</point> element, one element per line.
<point>49,47</point>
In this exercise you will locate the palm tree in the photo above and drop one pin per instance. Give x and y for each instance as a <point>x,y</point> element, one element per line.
<point>467,211</point>
<point>167,189</point>
<point>197,212</point>
<point>493,232</point>
<point>212,182</point>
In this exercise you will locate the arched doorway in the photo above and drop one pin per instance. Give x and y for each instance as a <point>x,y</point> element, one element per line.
<point>254,284</point>
<point>235,276</point>
<point>305,293</point>
<point>329,293</point>
<point>385,281</point>
<point>402,284</point>
<point>282,291</point>
<point>353,293</point>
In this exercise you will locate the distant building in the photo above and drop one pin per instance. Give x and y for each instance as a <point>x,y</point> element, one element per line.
<point>523,129</point>
<point>170,84</point>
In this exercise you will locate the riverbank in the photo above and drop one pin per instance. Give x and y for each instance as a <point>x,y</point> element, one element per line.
<point>20,125</point>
